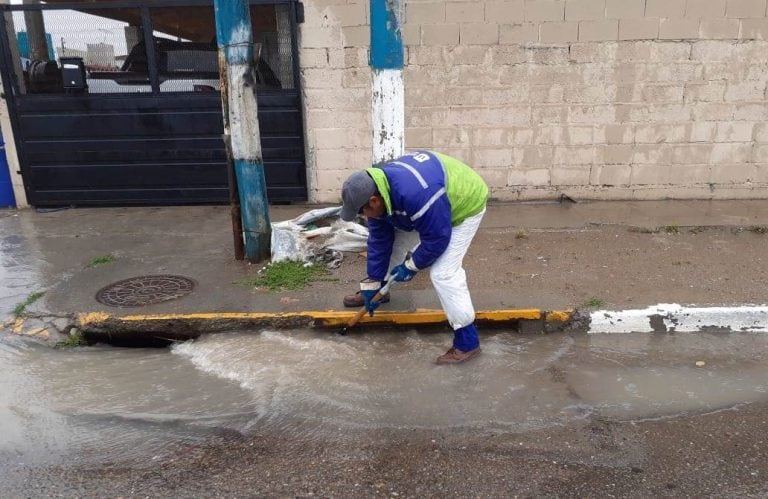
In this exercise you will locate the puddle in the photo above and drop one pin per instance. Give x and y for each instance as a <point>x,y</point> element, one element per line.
<point>100,403</point>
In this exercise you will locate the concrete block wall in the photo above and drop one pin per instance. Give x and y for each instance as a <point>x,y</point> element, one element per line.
<point>598,99</point>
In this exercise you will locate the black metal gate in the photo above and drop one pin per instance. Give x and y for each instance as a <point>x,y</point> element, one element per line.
<point>148,127</point>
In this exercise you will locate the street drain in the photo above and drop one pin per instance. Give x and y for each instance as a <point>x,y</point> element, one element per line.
<point>145,290</point>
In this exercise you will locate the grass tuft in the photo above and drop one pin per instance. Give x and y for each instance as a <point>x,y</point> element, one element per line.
<point>595,302</point>
<point>521,234</point>
<point>672,229</point>
<point>74,339</point>
<point>759,229</point>
<point>287,275</point>
<point>101,260</point>
<point>21,308</point>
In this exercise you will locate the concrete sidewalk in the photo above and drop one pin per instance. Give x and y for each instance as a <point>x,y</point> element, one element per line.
<point>526,259</point>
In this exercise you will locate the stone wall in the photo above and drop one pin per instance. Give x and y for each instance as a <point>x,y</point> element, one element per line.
<point>598,99</point>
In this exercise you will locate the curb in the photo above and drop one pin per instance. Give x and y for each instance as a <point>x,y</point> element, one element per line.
<point>671,317</point>
<point>174,327</point>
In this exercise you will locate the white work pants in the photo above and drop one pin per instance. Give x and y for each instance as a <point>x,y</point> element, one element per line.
<point>447,273</point>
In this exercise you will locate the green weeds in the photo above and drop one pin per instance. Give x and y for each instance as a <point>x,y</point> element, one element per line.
<point>280,276</point>
<point>101,260</point>
<point>21,308</point>
<point>595,302</point>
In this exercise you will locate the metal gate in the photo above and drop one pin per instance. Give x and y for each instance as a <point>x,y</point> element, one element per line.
<point>145,126</point>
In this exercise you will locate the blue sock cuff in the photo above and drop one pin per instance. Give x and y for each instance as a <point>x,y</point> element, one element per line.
<point>466,338</point>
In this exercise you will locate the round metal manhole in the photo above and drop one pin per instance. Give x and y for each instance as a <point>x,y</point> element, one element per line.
<point>145,290</point>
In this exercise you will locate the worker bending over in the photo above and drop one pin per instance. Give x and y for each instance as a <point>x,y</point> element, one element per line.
<point>423,210</point>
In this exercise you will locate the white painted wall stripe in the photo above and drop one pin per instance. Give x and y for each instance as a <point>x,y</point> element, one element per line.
<point>668,317</point>
<point>388,114</point>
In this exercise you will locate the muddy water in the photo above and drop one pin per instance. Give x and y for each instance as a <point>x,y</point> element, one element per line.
<point>100,403</point>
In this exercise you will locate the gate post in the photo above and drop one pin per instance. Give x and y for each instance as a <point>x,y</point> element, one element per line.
<point>241,125</point>
<point>386,61</point>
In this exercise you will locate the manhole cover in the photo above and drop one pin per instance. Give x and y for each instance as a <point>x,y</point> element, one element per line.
<point>145,290</point>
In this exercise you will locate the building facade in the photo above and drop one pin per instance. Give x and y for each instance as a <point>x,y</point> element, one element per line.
<point>597,99</point>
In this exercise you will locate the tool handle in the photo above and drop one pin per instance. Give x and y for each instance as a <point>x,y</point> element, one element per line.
<point>384,290</point>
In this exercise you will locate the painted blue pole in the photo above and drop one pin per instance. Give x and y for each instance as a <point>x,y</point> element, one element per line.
<point>241,125</point>
<point>388,96</point>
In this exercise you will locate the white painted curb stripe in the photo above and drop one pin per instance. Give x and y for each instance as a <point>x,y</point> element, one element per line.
<point>671,317</point>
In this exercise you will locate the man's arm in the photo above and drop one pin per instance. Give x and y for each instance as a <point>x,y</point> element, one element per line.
<point>381,236</point>
<point>434,228</point>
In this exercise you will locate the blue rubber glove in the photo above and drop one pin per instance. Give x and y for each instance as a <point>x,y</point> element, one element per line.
<point>405,271</point>
<point>369,288</point>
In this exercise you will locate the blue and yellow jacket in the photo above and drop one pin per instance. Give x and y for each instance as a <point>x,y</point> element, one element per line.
<point>427,192</point>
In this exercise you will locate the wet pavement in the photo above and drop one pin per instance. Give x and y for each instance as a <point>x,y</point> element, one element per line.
<point>98,420</point>
<point>299,413</point>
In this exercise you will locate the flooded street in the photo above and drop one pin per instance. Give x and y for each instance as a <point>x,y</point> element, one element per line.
<point>103,407</point>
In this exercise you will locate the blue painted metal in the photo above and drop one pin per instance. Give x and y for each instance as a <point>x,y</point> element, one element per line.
<point>7,200</point>
<point>386,36</point>
<point>235,40</point>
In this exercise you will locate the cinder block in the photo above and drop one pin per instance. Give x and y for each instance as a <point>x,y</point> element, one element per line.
<point>425,13</point>
<point>570,176</point>
<point>491,137</point>
<point>356,57</point>
<point>427,55</point>
<point>761,132</point>
<point>639,29</point>
<point>464,12</point>
<point>614,134</point>
<point>338,98</point>
<point>732,174</point>
<point>351,14</point>
<point>544,10</point>
<point>735,131</point>
<point>416,138</point>
<point>708,9</point>
<point>713,111</point>
<point>317,37</point>
<point>531,156</point>
<point>754,29</point>
<point>342,138</point>
<point>450,137</point>
<point>528,177</point>
<point>709,51</point>
<point>678,29</point>
<point>760,154</point>
<point>670,51</point>
<point>701,132</point>
<point>440,34</point>
<point>660,133</point>
<point>595,115</point>
<point>584,10</point>
<point>559,32</point>
<point>651,154</point>
<point>719,29</point>
<point>322,78</point>
<point>411,34</point>
<point>665,8</point>
<point>599,31</point>
<point>495,177</point>
<point>751,112</point>
<point>691,154</point>
<point>610,175</point>
<point>479,34</point>
<point>663,93</point>
<point>356,36</point>
<point>466,55</point>
<point>518,33</point>
<point>356,77</point>
<point>461,96</point>
<point>488,158</point>
<point>745,8</point>
<point>731,153</point>
<point>745,91</point>
<point>506,55</point>
<point>616,154</point>
<point>625,9</point>
<point>574,155</point>
<point>511,11</point>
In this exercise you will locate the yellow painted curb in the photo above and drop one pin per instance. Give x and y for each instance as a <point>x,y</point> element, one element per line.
<point>331,318</point>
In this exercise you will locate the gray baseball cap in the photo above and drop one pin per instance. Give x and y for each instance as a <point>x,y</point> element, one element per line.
<point>355,192</point>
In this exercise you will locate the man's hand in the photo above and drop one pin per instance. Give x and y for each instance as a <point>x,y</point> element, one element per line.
<point>405,271</point>
<point>369,288</point>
